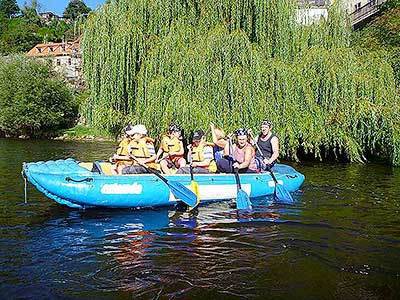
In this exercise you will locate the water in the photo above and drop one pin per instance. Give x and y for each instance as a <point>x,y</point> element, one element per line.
<point>341,240</point>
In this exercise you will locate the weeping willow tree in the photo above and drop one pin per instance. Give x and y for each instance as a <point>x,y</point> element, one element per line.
<point>236,63</point>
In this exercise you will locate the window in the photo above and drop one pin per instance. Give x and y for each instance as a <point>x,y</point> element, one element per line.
<point>357,6</point>
<point>58,62</point>
<point>69,61</point>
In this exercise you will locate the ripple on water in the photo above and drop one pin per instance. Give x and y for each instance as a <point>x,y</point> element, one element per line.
<point>340,240</point>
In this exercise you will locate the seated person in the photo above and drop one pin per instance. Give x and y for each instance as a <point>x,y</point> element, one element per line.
<point>172,148</point>
<point>142,148</point>
<point>267,146</point>
<point>121,157</point>
<point>242,155</point>
<point>200,156</point>
<point>219,140</point>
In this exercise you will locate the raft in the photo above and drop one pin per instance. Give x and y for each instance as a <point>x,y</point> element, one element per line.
<point>84,185</point>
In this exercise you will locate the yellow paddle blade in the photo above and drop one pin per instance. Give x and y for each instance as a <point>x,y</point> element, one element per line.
<point>194,187</point>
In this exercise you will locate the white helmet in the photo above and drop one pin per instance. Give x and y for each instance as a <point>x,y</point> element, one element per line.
<point>141,129</point>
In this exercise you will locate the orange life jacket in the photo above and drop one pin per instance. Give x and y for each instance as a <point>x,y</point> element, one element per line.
<point>198,155</point>
<point>140,149</point>
<point>173,144</point>
<point>122,150</point>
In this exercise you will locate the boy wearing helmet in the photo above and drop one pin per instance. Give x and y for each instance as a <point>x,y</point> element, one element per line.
<point>172,149</point>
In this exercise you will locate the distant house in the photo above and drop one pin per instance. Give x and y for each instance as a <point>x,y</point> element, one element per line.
<point>48,17</point>
<point>312,11</point>
<point>66,58</point>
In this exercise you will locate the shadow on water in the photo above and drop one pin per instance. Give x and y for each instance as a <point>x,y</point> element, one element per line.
<point>340,240</point>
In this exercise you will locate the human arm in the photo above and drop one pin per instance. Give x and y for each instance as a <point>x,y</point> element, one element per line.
<point>227,150</point>
<point>220,142</point>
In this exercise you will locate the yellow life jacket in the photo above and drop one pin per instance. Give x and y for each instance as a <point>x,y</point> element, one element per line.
<point>123,147</point>
<point>198,156</point>
<point>139,149</point>
<point>171,145</point>
<point>122,150</point>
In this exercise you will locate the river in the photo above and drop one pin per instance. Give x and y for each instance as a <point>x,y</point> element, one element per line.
<point>341,239</point>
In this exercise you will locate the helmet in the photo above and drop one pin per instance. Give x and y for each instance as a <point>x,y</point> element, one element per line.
<point>141,129</point>
<point>174,128</point>
<point>241,131</point>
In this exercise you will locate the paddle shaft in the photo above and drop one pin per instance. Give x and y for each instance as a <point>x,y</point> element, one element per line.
<point>150,169</point>
<point>191,163</point>
<point>235,170</point>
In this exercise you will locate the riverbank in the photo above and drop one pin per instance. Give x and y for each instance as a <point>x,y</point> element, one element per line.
<point>82,133</point>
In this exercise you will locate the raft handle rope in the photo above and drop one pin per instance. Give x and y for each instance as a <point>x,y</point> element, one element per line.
<point>291,176</point>
<point>85,179</point>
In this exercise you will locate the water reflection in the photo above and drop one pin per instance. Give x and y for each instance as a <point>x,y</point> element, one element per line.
<point>340,240</point>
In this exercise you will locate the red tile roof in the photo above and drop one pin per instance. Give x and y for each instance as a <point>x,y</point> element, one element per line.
<point>56,49</point>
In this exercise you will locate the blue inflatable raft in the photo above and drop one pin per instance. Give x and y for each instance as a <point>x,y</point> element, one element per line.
<point>81,185</point>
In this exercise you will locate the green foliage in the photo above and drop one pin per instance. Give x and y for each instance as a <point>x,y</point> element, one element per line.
<point>32,98</point>
<point>236,63</point>
<point>389,4</point>
<point>9,7</point>
<point>76,8</point>
<point>53,32</point>
<point>29,12</point>
<point>383,34</point>
<point>18,35</point>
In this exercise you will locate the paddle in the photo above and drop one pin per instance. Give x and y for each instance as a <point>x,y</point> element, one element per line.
<point>280,193</point>
<point>242,199</point>
<point>194,186</point>
<point>178,189</point>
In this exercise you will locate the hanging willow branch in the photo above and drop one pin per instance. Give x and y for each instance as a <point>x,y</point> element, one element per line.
<point>236,63</point>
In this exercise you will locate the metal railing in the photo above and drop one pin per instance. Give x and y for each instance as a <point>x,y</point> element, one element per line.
<point>365,11</point>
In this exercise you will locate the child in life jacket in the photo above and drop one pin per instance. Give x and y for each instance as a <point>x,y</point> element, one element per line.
<point>121,157</point>
<point>172,151</point>
<point>141,150</point>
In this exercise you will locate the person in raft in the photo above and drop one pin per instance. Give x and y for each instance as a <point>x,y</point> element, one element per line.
<point>141,147</point>
<point>239,156</point>
<point>219,140</point>
<point>268,143</point>
<point>121,157</point>
<point>172,149</point>
<point>200,156</point>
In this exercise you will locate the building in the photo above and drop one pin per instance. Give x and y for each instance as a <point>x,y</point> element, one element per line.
<point>66,58</point>
<point>48,17</point>
<point>361,11</point>
<point>312,11</point>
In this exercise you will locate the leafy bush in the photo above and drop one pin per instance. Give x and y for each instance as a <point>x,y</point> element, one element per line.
<point>32,98</point>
